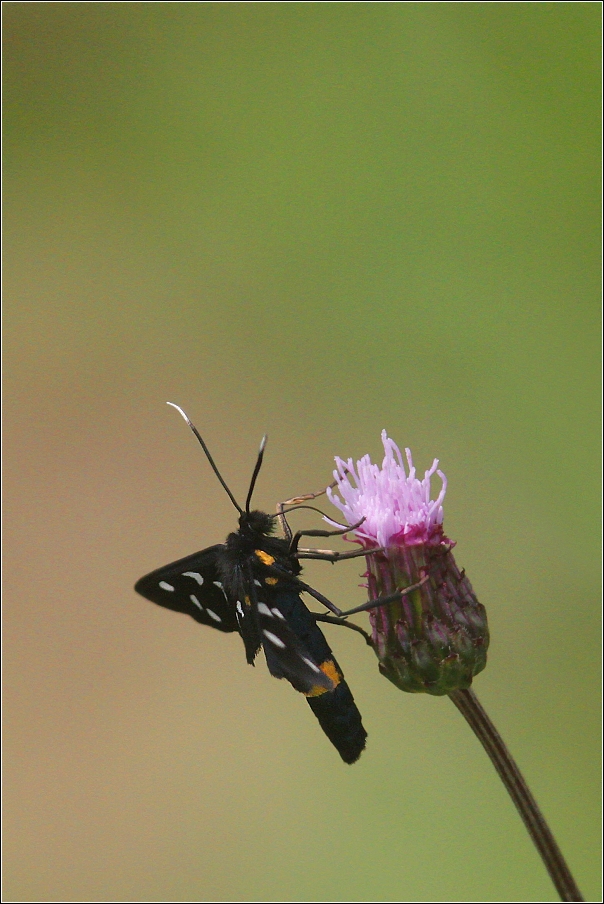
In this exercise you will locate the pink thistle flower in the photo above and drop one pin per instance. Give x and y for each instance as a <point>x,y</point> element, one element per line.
<point>396,506</point>
<point>433,639</point>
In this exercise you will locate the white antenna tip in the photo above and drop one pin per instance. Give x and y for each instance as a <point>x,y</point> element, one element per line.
<point>263,444</point>
<point>179,409</point>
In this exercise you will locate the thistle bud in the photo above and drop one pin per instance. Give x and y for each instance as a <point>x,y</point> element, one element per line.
<point>432,639</point>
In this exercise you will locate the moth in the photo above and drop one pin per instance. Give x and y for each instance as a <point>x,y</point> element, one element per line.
<point>251,584</point>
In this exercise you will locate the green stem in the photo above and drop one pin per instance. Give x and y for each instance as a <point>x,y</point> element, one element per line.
<point>468,705</point>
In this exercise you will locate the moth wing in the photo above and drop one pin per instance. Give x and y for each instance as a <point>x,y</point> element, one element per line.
<point>286,654</point>
<point>242,594</point>
<point>192,585</point>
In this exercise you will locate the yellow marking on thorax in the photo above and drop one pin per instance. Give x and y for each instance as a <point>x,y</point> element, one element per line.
<point>329,668</point>
<point>271,581</point>
<point>247,601</point>
<point>264,557</point>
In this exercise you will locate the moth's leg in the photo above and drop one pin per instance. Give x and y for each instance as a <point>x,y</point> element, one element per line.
<point>287,531</point>
<point>321,599</point>
<point>391,598</point>
<point>331,555</point>
<point>293,544</point>
<point>297,500</point>
<point>331,620</point>
<point>278,571</point>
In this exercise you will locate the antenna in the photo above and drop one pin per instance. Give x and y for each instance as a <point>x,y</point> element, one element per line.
<point>256,471</point>
<point>211,460</point>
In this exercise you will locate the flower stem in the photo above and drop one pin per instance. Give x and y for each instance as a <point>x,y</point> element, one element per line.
<point>468,705</point>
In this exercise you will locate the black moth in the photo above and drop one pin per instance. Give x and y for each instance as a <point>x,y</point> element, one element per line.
<point>251,584</point>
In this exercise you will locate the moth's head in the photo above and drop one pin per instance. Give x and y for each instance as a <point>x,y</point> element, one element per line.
<point>256,522</point>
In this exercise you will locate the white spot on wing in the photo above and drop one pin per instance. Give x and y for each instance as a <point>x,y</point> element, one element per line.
<point>193,574</point>
<point>311,664</point>
<point>194,599</point>
<point>213,615</point>
<point>278,614</point>
<point>239,608</point>
<point>257,583</point>
<point>220,587</point>
<point>274,639</point>
<point>264,610</point>
<point>165,586</point>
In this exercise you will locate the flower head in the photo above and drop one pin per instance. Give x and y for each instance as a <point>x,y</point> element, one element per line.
<point>432,639</point>
<point>396,506</point>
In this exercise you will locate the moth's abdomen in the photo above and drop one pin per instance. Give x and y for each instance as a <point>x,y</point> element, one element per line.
<point>340,719</point>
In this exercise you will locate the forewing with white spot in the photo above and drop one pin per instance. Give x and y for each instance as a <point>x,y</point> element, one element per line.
<point>192,586</point>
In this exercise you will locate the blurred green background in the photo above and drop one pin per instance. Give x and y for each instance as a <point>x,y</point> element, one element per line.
<point>318,220</point>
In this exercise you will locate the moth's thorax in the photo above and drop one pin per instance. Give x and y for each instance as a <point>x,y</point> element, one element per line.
<point>241,546</point>
<point>253,551</point>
